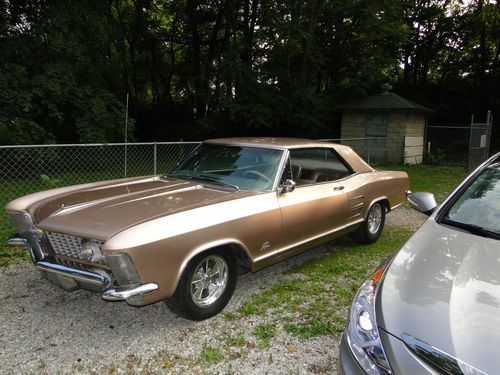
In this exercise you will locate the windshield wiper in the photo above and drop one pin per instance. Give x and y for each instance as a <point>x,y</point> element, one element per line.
<point>472,228</point>
<point>213,180</point>
<point>179,175</point>
<point>202,177</point>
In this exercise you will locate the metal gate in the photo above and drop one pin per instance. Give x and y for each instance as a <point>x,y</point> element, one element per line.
<point>479,141</point>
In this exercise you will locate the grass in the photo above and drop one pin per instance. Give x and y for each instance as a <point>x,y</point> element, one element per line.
<point>264,332</point>
<point>235,341</point>
<point>440,180</point>
<point>315,299</point>
<point>210,355</point>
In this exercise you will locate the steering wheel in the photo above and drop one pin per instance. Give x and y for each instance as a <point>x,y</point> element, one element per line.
<point>252,172</point>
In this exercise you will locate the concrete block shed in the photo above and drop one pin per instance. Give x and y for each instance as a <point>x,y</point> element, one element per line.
<point>393,127</point>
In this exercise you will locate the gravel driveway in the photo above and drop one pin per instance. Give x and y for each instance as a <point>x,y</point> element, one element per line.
<point>44,329</point>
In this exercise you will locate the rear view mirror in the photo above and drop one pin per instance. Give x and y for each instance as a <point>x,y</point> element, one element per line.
<point>422,202</point>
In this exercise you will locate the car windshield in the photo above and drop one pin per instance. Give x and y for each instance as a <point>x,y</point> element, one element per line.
<point>239,167</point>
<point>478,207</point>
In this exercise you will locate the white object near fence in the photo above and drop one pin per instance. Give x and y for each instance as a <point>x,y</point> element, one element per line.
<point>414,150</point>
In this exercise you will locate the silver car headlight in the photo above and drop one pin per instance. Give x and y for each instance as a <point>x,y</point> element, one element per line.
<point>362,333</point>
<point>91,251</point>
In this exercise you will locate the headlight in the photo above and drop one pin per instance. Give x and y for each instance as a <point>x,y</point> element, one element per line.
<point>91,251</point>
<point>362,334</point>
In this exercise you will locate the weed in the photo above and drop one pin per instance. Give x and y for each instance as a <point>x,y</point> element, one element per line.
<point>211,355</point>
<point>264,332</point>
<point>230,317</point>
<point>238,341</point>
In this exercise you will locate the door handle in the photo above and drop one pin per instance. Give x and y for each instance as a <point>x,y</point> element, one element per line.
<point>338,188</point>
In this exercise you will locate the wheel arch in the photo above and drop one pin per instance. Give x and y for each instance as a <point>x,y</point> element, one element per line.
<point>243,259</point>
<point>383,200</point>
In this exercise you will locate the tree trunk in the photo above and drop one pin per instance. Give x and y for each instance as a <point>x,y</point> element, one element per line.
<point>308,41</point>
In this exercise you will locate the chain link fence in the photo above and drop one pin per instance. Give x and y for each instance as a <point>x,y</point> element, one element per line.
<point>30,168</point>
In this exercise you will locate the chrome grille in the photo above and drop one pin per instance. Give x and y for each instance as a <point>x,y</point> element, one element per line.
<point>67,246</point>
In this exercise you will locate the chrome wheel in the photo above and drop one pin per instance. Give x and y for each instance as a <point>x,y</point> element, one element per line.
<point>209,280</point>
<point>374,218</point>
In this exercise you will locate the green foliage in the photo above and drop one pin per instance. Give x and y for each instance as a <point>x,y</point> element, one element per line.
<point>238,341</point>
<point>435,158</point>
<point>264,333</point>
<point>211,355</point>
<point>234,68</point>
<point>49,182</point>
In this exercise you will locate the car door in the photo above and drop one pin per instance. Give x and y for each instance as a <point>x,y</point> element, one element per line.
<point>319,203</point>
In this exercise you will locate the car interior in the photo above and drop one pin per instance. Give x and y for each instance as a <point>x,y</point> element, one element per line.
<point>312,166</point>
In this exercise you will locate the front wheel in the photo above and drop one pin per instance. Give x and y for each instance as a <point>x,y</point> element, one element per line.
<point>206,286</point>
<point>372,227</point>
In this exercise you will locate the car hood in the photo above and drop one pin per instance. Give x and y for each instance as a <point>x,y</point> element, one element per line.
<point>102,211</point>
<point>443,288</point>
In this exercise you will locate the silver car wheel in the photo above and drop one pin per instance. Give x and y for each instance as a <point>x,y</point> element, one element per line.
<point>209,280</point>
<point>374,218</point>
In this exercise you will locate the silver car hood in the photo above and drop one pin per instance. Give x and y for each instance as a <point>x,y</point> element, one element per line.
<point>443,288</point>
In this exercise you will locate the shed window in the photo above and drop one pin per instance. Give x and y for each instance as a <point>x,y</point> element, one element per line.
<point>376,129</point>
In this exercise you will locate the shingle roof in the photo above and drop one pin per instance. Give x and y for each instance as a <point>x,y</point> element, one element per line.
<point>385,100</point>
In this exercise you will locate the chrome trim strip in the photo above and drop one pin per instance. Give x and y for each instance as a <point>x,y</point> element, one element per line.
<point>396,206</point>
<point>437,358</point>
<point>123,295</point>
<point>76,274</point>
<point>100,144</point>
<point>357,207</point>
<point>281,169</point>
<point>17,241</point>
<point>296,244</point>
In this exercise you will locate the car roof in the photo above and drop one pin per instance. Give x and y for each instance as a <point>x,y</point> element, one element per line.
<point>348,154</point>
<point>279,142</point>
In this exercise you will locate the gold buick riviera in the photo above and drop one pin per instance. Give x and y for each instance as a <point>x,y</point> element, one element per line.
<point>231,206</point>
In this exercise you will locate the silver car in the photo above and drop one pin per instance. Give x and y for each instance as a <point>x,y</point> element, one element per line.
<point>434,306</point>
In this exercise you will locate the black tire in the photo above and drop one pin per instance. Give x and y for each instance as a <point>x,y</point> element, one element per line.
<point>367,233</point>
<point>184,302</point>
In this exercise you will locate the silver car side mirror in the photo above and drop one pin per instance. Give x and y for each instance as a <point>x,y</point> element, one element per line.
<point>288,186</point>
<point>422,202</point>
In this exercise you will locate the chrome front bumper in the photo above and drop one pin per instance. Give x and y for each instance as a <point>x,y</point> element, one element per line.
<point>72,278</point>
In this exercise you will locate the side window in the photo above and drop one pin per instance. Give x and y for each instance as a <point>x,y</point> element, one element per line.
<point>315,165</point>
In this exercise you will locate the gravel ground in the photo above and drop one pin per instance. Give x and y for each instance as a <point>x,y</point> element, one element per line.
<point>44,329</point>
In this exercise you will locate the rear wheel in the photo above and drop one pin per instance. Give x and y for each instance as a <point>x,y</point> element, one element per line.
<point>206,286</point>
<point>372,227</point>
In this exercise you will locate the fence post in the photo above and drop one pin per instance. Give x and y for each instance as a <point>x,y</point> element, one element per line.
<point>154,158</point>
<point>368,150</point>
<point>489,125</point>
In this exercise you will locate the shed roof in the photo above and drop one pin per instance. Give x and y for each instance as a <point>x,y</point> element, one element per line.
<point>385,100</point>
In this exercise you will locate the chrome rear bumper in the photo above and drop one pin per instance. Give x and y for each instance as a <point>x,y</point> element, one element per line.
<point>74,277</point>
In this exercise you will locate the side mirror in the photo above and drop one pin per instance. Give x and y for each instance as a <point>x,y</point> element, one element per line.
<point>288,186</point>
<point>422,202</point>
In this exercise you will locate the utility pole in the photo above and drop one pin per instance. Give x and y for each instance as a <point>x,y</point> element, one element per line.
<point>126,130</point>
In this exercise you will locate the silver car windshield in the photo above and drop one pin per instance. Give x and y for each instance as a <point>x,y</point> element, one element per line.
<point>240,167</point>
<point>478,207</point>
